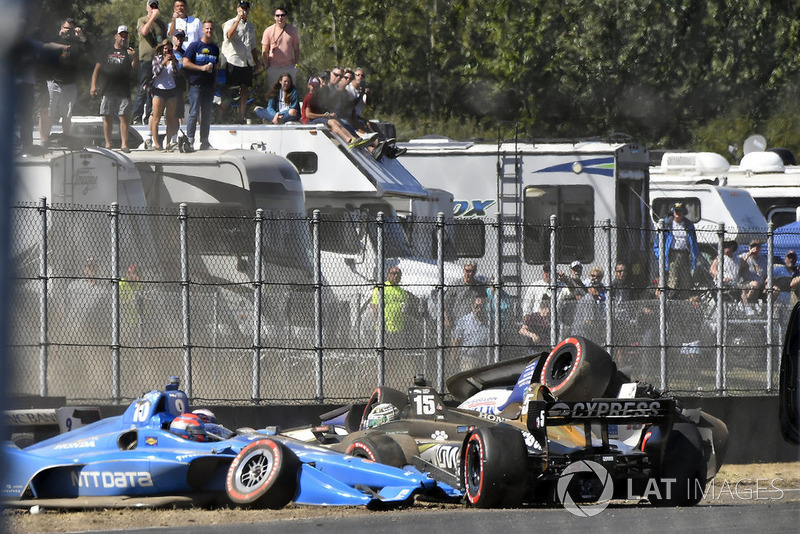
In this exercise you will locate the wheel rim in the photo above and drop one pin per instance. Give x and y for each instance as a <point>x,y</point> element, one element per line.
<point>561,366</point>
<point>254,469</point>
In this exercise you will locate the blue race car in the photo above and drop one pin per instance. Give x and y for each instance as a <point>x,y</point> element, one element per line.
<point>155,454</point>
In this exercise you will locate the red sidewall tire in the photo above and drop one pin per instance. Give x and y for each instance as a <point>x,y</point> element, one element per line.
<point>474,473</point>
<point>263,474</point>
<point>577,369</point>
<point>379,448</point>
<point>494,467</point>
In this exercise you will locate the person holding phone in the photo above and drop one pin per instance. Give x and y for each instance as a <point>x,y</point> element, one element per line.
<point>165,94</point>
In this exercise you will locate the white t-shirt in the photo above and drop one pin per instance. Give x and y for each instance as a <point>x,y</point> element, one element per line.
<point>679,237</point>
<point>193,28</point>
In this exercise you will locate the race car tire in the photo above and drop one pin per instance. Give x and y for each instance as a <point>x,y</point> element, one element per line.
<point>577,369</point>
<point>683,471</point>
<point>493,467</point>
<point>263,475</point>
<point>382,395</point>
<point>379,448</point>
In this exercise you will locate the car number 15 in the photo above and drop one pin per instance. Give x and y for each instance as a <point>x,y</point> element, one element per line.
<point>425,404</point>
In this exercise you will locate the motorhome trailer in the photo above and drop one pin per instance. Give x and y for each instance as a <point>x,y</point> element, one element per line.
<point>349,185</point>
<point>522,184</point>
<point>774,186</point>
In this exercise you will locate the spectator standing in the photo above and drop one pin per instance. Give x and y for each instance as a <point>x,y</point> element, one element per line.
<point>72,46</point>
<point>152,31</point>
<point>240,50</point>
<point>179,50</point>
<point>280,47</point>
<point>460,299</point>
<point>575,286</point>
<point>621,290</point>
<point>181,21</point>
<point>680,250</point>
<point>594,285</point>
<point>165,94</point>
<point>471,337</point>
<point>539,291</point>
<point>396,302</point>
<point>283,105</point>
<point>201,61</point>
<point>111,80</point>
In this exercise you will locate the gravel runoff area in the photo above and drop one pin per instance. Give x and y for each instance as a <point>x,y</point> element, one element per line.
<point>743,482</point>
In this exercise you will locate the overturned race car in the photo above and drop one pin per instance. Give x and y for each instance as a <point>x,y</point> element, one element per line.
<point>567,426</point>
<point>154,454</point>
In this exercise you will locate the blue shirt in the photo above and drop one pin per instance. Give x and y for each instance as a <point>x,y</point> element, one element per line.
<point>200,54</point>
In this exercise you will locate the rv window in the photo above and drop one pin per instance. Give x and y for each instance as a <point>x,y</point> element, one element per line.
<point>470,238</point>
<point>661,207</point>
<point>306,162</point>
<point>574,207</point>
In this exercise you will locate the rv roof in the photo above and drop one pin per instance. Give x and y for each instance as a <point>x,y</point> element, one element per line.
<point>445,145</point>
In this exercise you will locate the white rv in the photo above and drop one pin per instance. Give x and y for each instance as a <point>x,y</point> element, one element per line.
<point>775,187</point>
<point>692,178</point>
<point>523,184</point>
<point>345,184</point>
<point>94,177</point>
<point>230,183</point>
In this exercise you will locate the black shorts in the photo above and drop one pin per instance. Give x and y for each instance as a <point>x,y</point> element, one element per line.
<point>238,76</point>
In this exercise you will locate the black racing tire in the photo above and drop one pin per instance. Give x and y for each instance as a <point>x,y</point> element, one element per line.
<point>379,448</point>
<point>577,369</point>
<point>682,477</point>
<point>263,475</point>
<point>382,395</point>
<point>494,467</point>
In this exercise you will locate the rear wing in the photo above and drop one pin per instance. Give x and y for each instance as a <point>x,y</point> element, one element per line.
<point>603,412</point>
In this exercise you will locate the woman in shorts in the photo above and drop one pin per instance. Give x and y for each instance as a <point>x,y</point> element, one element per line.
<point>165,94</point>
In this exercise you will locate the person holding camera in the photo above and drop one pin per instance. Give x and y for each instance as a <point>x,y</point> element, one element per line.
<point>111,80</point>
<point>152,31</point>
<point>62,88</point>
<point>240,50</point>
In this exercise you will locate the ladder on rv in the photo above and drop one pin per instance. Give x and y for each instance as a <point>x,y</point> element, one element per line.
<point>509,218</point>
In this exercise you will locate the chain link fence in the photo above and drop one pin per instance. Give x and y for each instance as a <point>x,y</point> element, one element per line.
<point>267,308</point>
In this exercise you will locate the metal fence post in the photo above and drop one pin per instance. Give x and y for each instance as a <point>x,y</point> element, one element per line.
<point>318,339</point>
<point>258,282</point>
<point>187,348</point>
<point>770,300</point>
<point>115,305</point>
<point>381,310</point>
<point>440,302</point>
<point>554,334</point>
<point>720,356</point>
<point>607,286</point>
<point>44,336</point>
<point>497,287</point>
<point>662,303</point>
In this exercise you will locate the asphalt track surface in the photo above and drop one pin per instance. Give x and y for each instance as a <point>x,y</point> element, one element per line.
<point>724,514</point>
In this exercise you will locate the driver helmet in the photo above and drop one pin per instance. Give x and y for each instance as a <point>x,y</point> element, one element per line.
<point>205,415</point>
<point>380,414</point>
<point>189,426</point>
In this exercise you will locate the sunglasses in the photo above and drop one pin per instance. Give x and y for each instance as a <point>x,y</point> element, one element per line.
<point>280,15</point>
